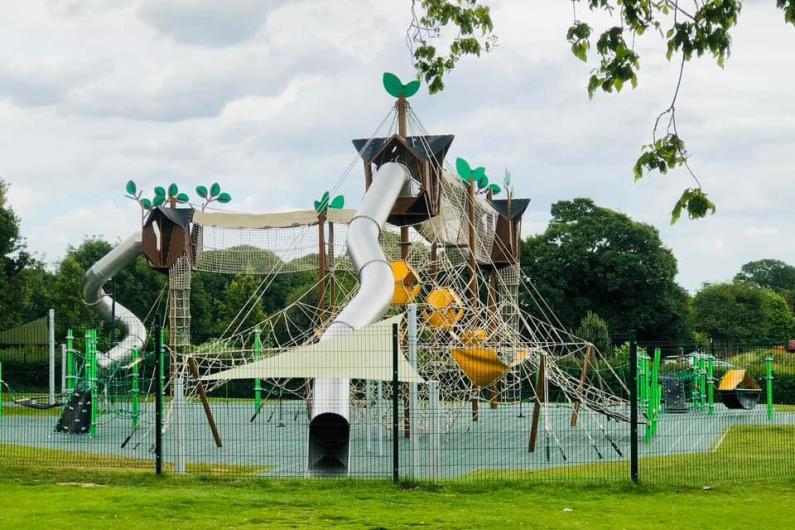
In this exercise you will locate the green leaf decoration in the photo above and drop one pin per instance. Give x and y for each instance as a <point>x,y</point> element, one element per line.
<point>411,88</point>
<point>131,188</point>
<point>506,181</point>
<point>173,190</point>
<point>160,191</point>
<point>464,171</point>
<point>495,189</point>
<point>158,200</point>
<point>317,207</point>
<point>201,191</point>
<point>146,203</point>
<point>224,198</point>
<point>182,197</point>
<point>215,189</point>
<point>338,202</point>
<point>479,174</point>
<point>393,85</point>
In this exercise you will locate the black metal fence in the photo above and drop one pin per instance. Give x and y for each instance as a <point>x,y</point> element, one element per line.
<point>699,414</point>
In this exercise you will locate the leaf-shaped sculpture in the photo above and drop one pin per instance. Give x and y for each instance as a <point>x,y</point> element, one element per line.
<point>160,191</point>
<point>464,171</point>
<point>338,202</point>
<point>215,189</point>
<point>479,174</point>
<point>131,188</point>
<point>146,203</point>
<point>393,85</point>
<point>224,198</point>
<point>173,190</point>
<point>201,191</point>
<point>158,200</point>
<point>495,189</point>
<point>411,88</point>
<point>182,197</point>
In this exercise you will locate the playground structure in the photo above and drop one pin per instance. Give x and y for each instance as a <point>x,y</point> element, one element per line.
<point>432,249</point>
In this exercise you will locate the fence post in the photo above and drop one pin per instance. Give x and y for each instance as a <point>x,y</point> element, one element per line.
<point>395,389</point>
<point>633,408</point>
<point>70,361</point>
<point>51,341</point>
<point>159,403</point>
<point>769,386</point>
<point>413,401</point>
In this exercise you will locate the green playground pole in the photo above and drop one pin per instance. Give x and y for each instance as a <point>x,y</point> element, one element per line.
<point>136,390</point>
<point>257,357</point>
<point>703,380</point>
<point>70,361</point>
<point>91,375</point>
<point>710,385</point>
<point>769,380</point>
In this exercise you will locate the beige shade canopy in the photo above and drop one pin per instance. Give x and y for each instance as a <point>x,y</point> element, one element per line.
<point>362,354</point>
<point>270,220</point>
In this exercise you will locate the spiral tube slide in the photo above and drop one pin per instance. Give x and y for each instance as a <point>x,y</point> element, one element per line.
<point>94,295</point>
<point>329,428</point>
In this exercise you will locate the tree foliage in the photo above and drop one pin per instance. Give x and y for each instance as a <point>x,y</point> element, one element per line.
<point>688,31</point>
<point>595,259</point>
<point>594,330</point>
<point>742,312</point>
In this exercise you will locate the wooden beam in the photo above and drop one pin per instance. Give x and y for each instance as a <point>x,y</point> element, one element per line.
<point>473,281</point>
<point>368,175</point>
<point>583,375</point>
<point>332,282</point>
<point>402,104</point>
<point>194,369</point>
<point>405,244</point>
<point>539,400</point>
<point>321,262</point>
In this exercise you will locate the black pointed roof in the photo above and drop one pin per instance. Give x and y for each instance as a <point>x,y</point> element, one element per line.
<point>179,216</point>
<point>518,206</point>
<point>430,147</point>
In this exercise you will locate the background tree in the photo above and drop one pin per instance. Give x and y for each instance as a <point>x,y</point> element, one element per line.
<point>740,312</point>
<point>593,329</point>
<point>595,259</point>
<point>688,29</point>
<point>770,274</point>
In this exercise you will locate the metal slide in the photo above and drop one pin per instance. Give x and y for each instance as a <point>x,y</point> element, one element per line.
<point>329,428</point>
<point>94,296</point>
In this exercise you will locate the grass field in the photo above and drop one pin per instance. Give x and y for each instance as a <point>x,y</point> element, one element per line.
<point>747,486</point>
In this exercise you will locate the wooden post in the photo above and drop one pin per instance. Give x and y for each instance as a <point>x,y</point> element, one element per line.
<point>402,104</point>
<point>494,400</point>
<point>473,281</point>
<point>405,244</point>
<point>332,283</point>
<point>583,375</point>
<point>321,262</point>
<point>368,175</point>
<point>194,369</point>
<point>539,400</point>
<point>434,264</point>
<point>475,403</point>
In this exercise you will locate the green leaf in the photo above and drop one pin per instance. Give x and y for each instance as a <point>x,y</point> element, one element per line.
<point>201,191</point>
<point>182,197</point>
<point>146,203</point>
<point>479,174</point>
<point>131,188</point>
<point>160,191</point>
<point>215,189</point>
<point>317,207</point>
<point>224,198</point>
<point>158,200</point>
<point>392,85</point>
<point>495,189</point>
<point>409,89</point>
<point>464,171</point>
<point>173,190</point>
<point>338,202</point>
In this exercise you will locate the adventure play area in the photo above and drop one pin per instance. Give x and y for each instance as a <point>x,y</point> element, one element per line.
<point>410,356</point>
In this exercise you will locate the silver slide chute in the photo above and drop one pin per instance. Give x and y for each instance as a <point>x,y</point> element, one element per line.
<point>329,428</point>
<point>94,295</point>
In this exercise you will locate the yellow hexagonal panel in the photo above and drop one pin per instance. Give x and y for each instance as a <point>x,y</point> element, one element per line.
<point>445,309</point>
<point>407,285</point>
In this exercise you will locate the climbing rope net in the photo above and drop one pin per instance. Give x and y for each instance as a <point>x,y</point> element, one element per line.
<point>474,336</point>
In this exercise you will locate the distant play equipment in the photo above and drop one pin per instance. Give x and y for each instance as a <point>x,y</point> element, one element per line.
<point>674,393</point>
<point>738,390</point>
<point>445,309</point>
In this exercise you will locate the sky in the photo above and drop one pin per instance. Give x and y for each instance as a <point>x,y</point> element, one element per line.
<point>264,96</point>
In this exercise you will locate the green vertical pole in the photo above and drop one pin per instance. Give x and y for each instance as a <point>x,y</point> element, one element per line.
<point>161,365</point>
<point>703,380</point>
<point>136,391</point>
<point>769,380</point>
<point>70,361</point>
<point>710,385</point>
<point>91,374</point>
<point>257,357</point>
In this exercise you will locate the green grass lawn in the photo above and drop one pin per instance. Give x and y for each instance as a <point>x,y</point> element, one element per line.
<point>750,484</point>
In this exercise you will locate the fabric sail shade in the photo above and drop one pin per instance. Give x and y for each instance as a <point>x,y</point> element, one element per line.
<point>363,354</point>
